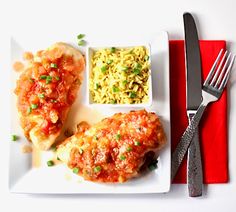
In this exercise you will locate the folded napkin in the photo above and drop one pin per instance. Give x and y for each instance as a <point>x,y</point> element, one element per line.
<point>213,126</point>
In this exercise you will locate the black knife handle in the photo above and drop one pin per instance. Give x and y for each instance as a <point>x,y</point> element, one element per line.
<point>194,165</point>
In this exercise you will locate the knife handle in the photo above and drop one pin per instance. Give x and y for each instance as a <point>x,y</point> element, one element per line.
<point>185,141</point>
<point>194,165</point>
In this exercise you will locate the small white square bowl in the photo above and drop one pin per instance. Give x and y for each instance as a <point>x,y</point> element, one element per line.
<point>89,55</point>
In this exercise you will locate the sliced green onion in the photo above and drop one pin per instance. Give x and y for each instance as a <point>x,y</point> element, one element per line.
<point>29,110</point>
<point>103,69</point>
<point>137,143</point>
<point>48,79</point>
<point>53,100</point>
<point>57,78</point>
<point>137,65</point>
<point>153,166</point>
<point>96,86</point>
<point>41,95</point>
<point>109,62</point>
<point>50,163</point>
<point>81,151</point>
<point>54,148</point>
<point>58,158</point>
<point>81,42</point>
<point>113,49</point>
<point>95,137</point>
<point>136,71</point>
<point>80,36</point>
<point>115,89</point>
<point>53,65</point>
<point>113,101</point>
<point>146,58</point>
<point>122,157</point>
<point>14,137</point>
<point>34,106</point>
<point>43,77</point>
<point>124,68</point>
<point>129,149</point>
<point>132,94</point>
<point>118,136</point>
<point>97,169</point>
<point>124,82</point>
<point>76,170</point>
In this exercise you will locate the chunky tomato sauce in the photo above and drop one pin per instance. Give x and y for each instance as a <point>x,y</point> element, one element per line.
<point>47,88</point>
<point>114,149</point>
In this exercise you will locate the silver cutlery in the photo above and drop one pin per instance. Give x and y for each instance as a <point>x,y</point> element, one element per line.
<point>193,100</point>
<point>212,90</point>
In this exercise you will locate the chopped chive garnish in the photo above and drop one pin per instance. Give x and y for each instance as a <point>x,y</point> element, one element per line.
<point>113,101</point>
<point>57,78</point>
<point>54,148</point>
<point>118,136</point>
<point>113,49</point>
<point>124,82</point>
<point>34,106</point>
<point>109,62</point>
<point>153,166</point>
<point>96,86</point>
<point>43,77</point>
<point>81,151</point>
<point>29,110</point>
<point>129,149</point>
<point>137,143</point>
<point>146,58</point>
<point>115,89</point>
<point>50,163</point>
<point>80,36</point>
<point>41,95</point>
<point>81,42</point>
<point>123,68</point>
<point>122,157</point>
<point>132,94</point>
<point>53,65</point>
<point>14,137</point>
<point>97,169</point>
<point>103,69</point>
<point>137,65</point>
<point>136,71</point>
<point>48,79</point>
<point>76,170</point>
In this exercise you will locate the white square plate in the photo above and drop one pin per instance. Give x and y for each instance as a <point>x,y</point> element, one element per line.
<point>29,172</point>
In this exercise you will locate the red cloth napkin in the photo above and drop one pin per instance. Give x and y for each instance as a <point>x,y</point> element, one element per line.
<point>213,126</point>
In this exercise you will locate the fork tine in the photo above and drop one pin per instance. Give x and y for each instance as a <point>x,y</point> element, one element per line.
<point>213,69</point>
<point>227,74</point>
<point>223,70</point>
<point>218,69</point>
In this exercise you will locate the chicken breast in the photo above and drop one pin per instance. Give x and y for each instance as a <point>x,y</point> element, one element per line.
<point>46,89</point>
<point>114,149</point>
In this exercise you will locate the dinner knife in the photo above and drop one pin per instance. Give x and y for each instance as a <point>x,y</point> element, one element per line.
<point>193,100</point>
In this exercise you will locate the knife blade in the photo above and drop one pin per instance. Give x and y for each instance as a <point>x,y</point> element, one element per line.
<point>193,100</point>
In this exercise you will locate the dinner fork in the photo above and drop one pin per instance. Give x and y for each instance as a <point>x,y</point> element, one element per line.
<point>212,90</point>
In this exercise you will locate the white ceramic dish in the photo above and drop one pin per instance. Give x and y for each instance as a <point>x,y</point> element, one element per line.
<point>89,53</point>
<point>28,173</point>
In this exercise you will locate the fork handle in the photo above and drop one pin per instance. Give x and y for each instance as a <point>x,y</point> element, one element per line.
<point>194,165</point>
<point>182,147</point>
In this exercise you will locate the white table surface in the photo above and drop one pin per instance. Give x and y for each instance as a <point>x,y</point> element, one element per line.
<point>215,20</point>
